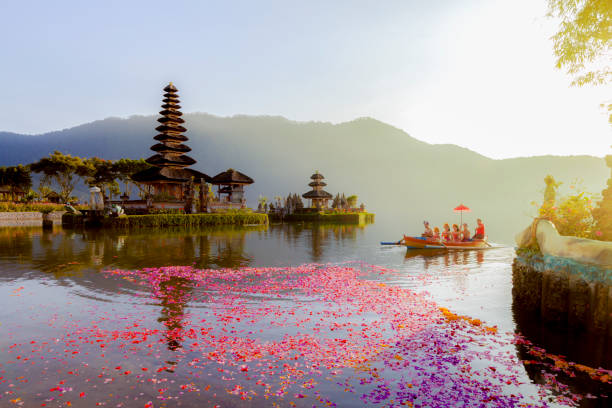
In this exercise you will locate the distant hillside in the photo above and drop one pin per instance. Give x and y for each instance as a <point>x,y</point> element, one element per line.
<point>400,178</point>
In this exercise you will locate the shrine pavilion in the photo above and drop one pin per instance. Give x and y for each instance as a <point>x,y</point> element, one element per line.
<point>8,193</point>
<point>230,186</point>
<point>317,196</point>
<point>170,174</point>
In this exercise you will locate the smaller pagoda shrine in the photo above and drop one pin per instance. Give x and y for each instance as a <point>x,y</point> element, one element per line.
<point>169,176</point>
<point>317,196</point>
<point>230,187</point>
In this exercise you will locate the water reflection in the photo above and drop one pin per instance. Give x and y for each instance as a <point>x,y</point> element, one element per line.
<point>438,257</point>
<point>174,298</point>
<point>474,283</point>
<point>572,344</point>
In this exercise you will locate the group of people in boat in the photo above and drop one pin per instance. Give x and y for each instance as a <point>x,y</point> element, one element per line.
<point>455,234</point>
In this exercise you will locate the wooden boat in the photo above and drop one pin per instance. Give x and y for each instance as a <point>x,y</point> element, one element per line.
<point>429,243</point>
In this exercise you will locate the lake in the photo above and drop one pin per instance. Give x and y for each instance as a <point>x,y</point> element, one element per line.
<point>286,315</point>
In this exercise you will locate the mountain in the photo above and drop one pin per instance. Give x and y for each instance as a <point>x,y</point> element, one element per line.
<point>402,179</point>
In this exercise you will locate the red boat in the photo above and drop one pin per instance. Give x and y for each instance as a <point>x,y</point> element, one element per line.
<point>430,243</point>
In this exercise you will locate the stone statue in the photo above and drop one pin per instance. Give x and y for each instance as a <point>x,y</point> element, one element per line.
<point>71,210</point>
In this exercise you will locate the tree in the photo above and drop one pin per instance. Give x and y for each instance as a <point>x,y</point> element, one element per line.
<point>352,201</point>
<point>602,213</point>
<point>126,168</point>
<point>583,44</point>
<point>101,173</point>
<point>16,178</point>
<point>64,169</point>
<point>343,202</point>
<point>336,201</point>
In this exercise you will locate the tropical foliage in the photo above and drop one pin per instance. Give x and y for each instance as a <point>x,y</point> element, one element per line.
<point>16,178</point>
<point>102,174</point>
<point>602,213</point>
<point>32,207</point>
<point>187,220</point>
<point>583,43</point>
<point>64,170</point>
<point>571,214</point>
<point>125,168</point>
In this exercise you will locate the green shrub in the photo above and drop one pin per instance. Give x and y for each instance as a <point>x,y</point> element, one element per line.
<point>33,207</point>
<point>185,220</point>
<point>332,218</point>
<point>166,211</point>
<point>602,213</point>
<point>571,214</point>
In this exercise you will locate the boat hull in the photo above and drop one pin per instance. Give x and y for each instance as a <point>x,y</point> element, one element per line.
<point>427,243</point>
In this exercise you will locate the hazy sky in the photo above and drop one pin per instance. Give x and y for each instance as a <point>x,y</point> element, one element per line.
<point>477,73</point>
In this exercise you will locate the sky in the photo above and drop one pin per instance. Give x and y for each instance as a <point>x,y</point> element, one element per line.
<point>476,73</point>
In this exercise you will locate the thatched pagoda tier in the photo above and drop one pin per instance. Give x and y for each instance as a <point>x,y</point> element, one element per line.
<point>165,159</point>
<point>171,126</point>
<point>168,174</point>
<point>170,88</point>
<point>171,109</point>
<point>178,148</point>
<point>317,183</point>
<point>317,176</point>
<point>170,119</point>
<point>162,137</point>
<point>317,194</point>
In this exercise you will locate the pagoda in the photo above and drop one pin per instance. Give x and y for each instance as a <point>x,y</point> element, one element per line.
<point>169,174</point>
<point>317,196</point>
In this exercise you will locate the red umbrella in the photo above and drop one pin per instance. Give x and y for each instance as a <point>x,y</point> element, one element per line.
<point>460,209</point>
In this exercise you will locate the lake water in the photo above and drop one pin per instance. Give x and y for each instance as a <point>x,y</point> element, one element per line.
<point>291,315</point>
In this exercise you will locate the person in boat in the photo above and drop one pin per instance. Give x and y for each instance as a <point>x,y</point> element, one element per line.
<point>456,234</point>
<point>436,233</point>
<point>465,233</point>
<point>446,234</point>
<point>480,230</point>
<point>428,232</point>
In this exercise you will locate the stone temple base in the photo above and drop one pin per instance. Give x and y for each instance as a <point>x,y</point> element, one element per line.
<point>564,293</point>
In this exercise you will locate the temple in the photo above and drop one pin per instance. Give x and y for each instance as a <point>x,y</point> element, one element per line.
<point>169,177</point>
<point>9,193</point>
<point>317,196</point>
<point>230,187</point>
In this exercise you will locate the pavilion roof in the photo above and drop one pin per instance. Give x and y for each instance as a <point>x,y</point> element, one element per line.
<point>9,189</point>
<point>317,183</point>
<point>231,176</point>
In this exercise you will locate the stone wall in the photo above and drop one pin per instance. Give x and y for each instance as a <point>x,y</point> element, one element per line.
<point>564,292</point>
<point>27,218</point>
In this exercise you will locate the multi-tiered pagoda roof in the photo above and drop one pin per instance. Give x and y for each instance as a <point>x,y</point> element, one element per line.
<point>170,161</point>
<point>317,191</point>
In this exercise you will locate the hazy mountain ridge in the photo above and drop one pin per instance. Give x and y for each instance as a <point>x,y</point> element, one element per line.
<point>397,176</point>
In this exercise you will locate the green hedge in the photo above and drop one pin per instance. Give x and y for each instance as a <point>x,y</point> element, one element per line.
<point>334,218</point>
<point>31,207</point>
<point>184,220</point>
